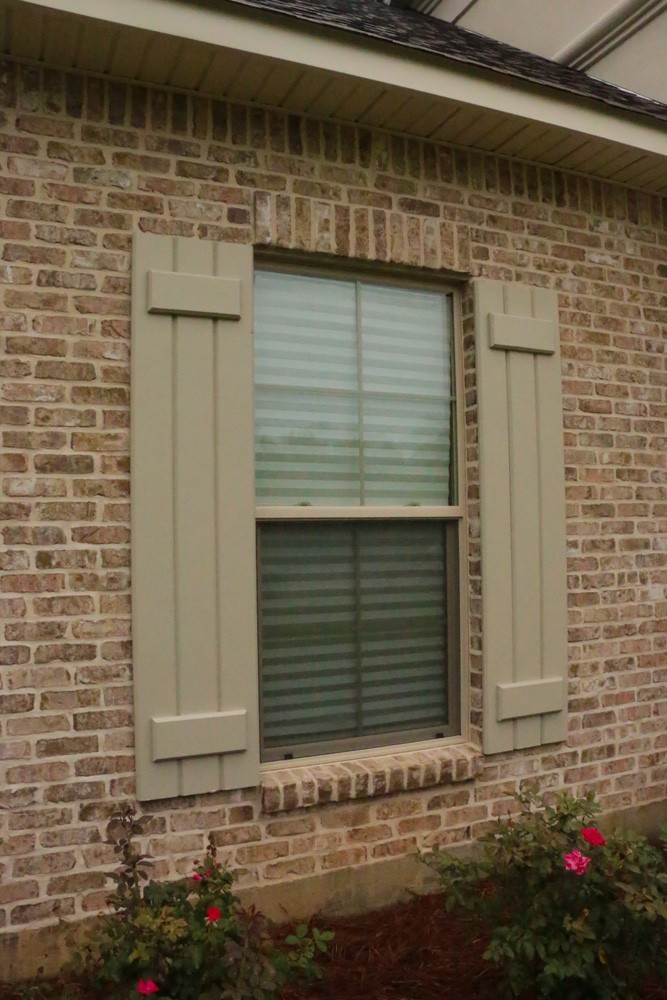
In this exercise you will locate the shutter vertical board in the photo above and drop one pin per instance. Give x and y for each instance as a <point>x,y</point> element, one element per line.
<point>524,512</point>
<point>496,518</point>
<point>553,584</point>
<point>194,514</point>
<point>192,536</point>
<point>237,590</point>
<point>522,516</point>
<point>153,551</point>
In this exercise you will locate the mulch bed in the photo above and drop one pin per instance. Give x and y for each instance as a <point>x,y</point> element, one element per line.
<point>410,951</point>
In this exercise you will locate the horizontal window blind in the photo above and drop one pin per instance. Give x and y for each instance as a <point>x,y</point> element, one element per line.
<point>353,632</point>
<point>353,393</point>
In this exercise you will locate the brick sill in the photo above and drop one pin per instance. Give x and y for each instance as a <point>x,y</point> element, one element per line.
<point>315,784</point>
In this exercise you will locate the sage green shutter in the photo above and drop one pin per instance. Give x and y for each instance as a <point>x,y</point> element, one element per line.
<point>193,528</point>
<point>522,496</point>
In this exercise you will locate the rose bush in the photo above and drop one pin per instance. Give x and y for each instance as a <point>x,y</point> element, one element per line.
<point>187,940</point>
<point>564,924</point>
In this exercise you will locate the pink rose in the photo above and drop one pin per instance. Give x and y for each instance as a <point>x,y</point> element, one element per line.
<point>593,836</point>
<point>576,862</point>
<point>146,987</point>
<point>196,877</point>
<point>213,914</point>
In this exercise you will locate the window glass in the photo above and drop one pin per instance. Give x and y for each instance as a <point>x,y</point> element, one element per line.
<point>353,393</point>
<point>358,615</point>
<point>353,632</point>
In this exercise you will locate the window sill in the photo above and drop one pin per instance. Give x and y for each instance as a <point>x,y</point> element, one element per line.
<point>315,784</point>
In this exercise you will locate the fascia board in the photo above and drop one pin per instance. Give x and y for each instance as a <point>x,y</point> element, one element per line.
<point>305,45</point>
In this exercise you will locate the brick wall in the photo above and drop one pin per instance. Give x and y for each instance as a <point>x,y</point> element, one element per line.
<point>83,164</point>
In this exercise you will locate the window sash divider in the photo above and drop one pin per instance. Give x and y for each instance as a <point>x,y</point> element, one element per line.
<point>353,512</point>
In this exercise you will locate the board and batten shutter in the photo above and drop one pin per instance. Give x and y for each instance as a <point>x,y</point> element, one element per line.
<point>522,503</point>
<point>193,526</point>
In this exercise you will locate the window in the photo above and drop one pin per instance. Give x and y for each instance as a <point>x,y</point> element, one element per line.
<point>357,513</point>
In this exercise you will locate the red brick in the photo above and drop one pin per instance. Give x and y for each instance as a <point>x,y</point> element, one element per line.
<point>106,765</point>
<point>64,511</point>
<point>65,746</point>
<point>12,607</point>
<point>36,300</point>
<point>15,275</point>
<point>65,464</point>
<point>22,844</point>
<point>27,167</point>
<point>35,912</point>
<point>394,848</point>
<point>45,126</point>
<point>14,512</point>
<point>13,891</point>
<point>68,700</point>
<point>39,818</point>
<point>65,370</point>
<point>32,583</point>
<point>236,835</point>
<point>75,791</point>
<point>13,655</point>
<point>112,719</point>
<point>65,652</point>
<point>68,559</point>
<point>74,154</point>
<point>47,864</point>
<point>101,536</point>
<point>36,346</point>
<point>82,605</point>
<point>66,279</point>
<point>344,858</point>
<point>53,771</point>
<point>19,208</point>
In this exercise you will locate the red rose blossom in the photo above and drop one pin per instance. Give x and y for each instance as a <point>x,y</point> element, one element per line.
<point>576,862</point>
<point>593,836</point>
<point>146,986</point>
<point>213,914</point>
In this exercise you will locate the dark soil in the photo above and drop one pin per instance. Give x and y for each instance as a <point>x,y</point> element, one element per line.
<point>411,951</point>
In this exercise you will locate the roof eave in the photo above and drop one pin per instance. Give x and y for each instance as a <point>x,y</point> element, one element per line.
<point>243,29</point>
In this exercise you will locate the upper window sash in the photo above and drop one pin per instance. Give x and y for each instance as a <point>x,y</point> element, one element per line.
<point>355,400</point>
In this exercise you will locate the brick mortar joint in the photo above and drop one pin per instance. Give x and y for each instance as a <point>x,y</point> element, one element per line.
<point>317,784</point>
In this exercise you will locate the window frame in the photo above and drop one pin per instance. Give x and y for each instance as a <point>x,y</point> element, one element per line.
<point>452,517</point>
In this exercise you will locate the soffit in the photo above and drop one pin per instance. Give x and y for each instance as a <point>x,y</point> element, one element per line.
<point>343,78</point>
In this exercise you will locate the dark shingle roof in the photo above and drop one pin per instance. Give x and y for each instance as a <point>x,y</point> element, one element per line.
<point>409,29</point>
